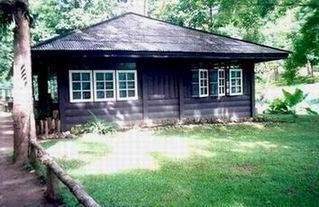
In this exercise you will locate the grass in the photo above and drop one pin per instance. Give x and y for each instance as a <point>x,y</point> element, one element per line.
<point>246,164</point>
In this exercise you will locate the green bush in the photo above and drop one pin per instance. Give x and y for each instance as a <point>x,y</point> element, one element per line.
<point>286,105</point>
<point>96,125</point>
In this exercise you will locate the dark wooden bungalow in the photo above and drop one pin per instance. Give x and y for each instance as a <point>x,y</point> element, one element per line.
<point>134,69</point>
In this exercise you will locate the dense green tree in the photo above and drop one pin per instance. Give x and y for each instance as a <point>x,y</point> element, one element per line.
<point>305,42</point>
<point>6,52</point>
<point>247,19</point>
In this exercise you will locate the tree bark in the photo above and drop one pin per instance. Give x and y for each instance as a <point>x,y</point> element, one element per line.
<point>22,85</point>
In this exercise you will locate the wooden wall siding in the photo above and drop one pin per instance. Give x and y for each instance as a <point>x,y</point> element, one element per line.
<point>162,86</point>
<point>164,90</point>
<point>77,113</point>
<point>227,107</point>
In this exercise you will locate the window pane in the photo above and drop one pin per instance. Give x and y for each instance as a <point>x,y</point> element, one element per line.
<point>86,86</point>
<point>99,76</point>
<point>131,93</point>
<point>109,85</point>
<point>75,76</point>
<point>108,76</point>
<point>123,94</point>
<point>76,95</point>
<point>122,76</point>
<point>130,76</point>
<point>233,89</point>
<point>100,94</point>
<point>131,84</point>
<point>122,85</point>
<point>85,76</point>
<point>100,85</point>
<point>109,94</point>
<point>86,95</point>
<point>76,86</point>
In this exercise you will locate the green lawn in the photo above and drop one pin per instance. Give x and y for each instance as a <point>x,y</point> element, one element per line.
<point>247,164</point>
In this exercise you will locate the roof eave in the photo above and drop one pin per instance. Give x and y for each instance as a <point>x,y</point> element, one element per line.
<point>164,54</point>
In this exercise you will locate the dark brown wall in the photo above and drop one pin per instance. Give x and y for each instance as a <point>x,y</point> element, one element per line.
<point>164,90</point>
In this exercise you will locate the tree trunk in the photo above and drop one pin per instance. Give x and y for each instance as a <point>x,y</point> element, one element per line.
<point>22,86</point>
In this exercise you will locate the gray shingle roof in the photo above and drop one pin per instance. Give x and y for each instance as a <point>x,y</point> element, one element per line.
<point>136,33</point>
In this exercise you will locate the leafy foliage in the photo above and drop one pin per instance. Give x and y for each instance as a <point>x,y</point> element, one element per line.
<point>6,52</point>
<point>288,103</point>
<point>247,19</point>
<point>96,126</point>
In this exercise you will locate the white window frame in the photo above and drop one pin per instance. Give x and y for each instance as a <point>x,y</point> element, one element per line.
<point>199,83</point>
<point>224,85</point>
<point>241,81</point>
<point>118,85</point>
<point>72,100</point>
<point>96,90</point>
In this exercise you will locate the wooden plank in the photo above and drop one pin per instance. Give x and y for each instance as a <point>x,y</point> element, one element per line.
<point>83,119</point>
<point>102,111</point>
<point>145,85</point>
<point>210,99</point>
<point>164,115</point>
<point>252,94</point>
<point>161,102</point>
<point>219,116</point>
<point>213,105</point>
<point>107,104</point>
<point>76,189</point>
<point>163,108</point>
<point>52,185</point>
<point>181,96</point>
<point>218,111</point>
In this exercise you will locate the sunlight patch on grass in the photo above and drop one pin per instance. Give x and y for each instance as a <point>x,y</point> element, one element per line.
<point>263,164</point>
<point>135,150</point>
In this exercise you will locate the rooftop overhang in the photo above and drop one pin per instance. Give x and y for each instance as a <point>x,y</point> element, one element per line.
<point>254,57</point>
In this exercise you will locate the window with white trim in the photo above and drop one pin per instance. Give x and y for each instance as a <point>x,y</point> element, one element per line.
<point>221,82</point>
<point>81,89</point>
<point>236,81</point>
<point>104,85</point>
<point>217,82</point>
<point>203,82</point>
<point>126,81</point>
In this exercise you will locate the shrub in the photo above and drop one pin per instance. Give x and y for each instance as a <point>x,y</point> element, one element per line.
<point>96,125</point>
<point>287,104</point>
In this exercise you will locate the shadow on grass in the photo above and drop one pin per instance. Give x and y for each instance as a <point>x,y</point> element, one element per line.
<point>251,164</point>
<point>204,182</point>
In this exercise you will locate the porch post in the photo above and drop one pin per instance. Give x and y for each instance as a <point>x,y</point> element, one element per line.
<point>43,90</point>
